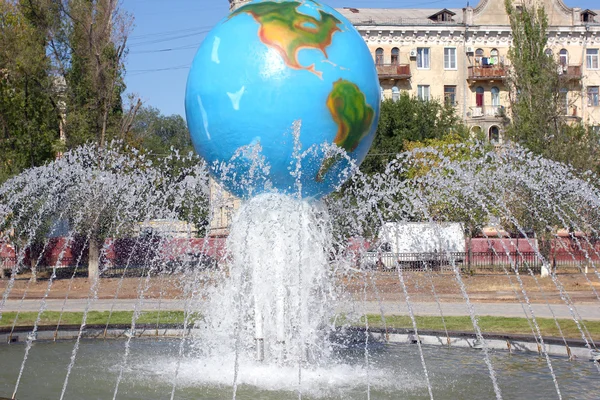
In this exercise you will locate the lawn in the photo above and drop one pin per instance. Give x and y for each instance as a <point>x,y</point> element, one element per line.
<point>499,325</point>
<point>51,318</point>
<point>491,325</point>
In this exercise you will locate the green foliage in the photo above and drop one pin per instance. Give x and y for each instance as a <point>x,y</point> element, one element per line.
<point>409,120</point>
<point>94,73</point>
<point>453,146</point>
<point>158,134</point>
<point>434,157</point>
<point>28,116</point>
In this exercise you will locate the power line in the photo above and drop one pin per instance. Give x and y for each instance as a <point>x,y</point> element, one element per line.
<point>146,71</point>
<point>190,46</point>
<point>169,33</point>
<point>168,38</point>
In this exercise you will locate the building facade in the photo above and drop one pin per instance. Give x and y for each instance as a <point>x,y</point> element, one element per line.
<point>460,56</point>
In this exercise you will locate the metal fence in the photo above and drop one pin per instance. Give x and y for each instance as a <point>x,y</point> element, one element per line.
<point>472,262</point>
<point>492,262</point>
<point>7,264</point>
<point>468,262</point>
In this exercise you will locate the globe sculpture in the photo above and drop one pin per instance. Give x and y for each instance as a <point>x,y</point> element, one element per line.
<point>282,96</point>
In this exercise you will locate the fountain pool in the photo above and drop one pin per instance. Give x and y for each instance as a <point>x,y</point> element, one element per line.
<point>395,373</point>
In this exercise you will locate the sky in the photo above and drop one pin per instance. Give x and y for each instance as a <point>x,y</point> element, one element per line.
<point>167,33</point>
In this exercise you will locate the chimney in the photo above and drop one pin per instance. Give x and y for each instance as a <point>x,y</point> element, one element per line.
<point>576,15</point>
<point>468,15</point>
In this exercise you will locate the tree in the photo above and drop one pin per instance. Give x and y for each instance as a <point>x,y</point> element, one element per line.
<point>408,120</point>
<point>537,110</point>
<point>29,123</point>
<point>97,33</point>
<point>158,134</point>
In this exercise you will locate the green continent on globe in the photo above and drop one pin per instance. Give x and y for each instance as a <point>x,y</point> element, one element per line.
<point>353,116</point>
<point>285,29</point>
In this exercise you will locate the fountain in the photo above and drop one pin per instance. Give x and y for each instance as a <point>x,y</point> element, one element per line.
<point>293,309</point>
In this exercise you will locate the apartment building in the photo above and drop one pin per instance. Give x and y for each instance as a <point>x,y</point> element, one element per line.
<point>460,55</point>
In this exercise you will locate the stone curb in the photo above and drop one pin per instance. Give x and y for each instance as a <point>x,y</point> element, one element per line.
<point>571,348</point>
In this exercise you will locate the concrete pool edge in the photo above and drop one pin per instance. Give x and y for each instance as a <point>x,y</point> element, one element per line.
<point>572,348</point>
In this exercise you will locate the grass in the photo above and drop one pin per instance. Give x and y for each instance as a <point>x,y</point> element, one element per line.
<point>51,318</point>
<point>499,325</point>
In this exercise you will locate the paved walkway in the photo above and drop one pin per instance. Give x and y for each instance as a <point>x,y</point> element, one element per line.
<point>589,311</point>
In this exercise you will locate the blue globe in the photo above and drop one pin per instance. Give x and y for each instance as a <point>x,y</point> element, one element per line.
<point>282,96</point>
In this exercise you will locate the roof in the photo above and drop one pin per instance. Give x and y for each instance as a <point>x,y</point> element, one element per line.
<point>397,16</point>
<point>445,10</point>
<point>409,16</point>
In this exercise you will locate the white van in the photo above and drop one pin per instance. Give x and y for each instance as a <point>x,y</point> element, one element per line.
<point>418,244</point>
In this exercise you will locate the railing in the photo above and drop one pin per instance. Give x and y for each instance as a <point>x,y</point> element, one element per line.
<point>398,71</point>
<point>7,264</point>
<point>487,111</point>
<point>483,262</point>
<point>397,21</point>
<point>570,72</point>
<point>487,73</point>
<point>491,262</point>
<point>571,112</point>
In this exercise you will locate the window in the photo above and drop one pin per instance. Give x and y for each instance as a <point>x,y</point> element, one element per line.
<point>494,134</point>
<point>450,95</point>
<point>591,58</point>
<point>423,92</point>
<point>563,100</point>
<point>495,96</point>
<point>395,56</point>
<point>379,56</point>
<point>548,52</point>
<point>494,57</point>
<point>592,93</point>
<point>478,56</point>
<point>479,96</point>
<point>588,16</point>
<point>422,57</point>
<point>442,16</point>
<point>564,57</point>
<point>450,58</point>
<point>395,93</point>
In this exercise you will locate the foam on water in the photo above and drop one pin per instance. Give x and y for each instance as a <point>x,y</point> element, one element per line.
<point>317,381</point>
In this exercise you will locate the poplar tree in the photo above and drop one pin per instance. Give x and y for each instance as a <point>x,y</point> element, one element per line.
<point>97,33</point>
<point>537,110</point>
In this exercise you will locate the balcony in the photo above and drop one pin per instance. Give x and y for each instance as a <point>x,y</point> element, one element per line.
<point>570,72</point>
<point>393,71</point>
<point>571,114</point>
<point>489,73</point>
<point>487,111</point>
